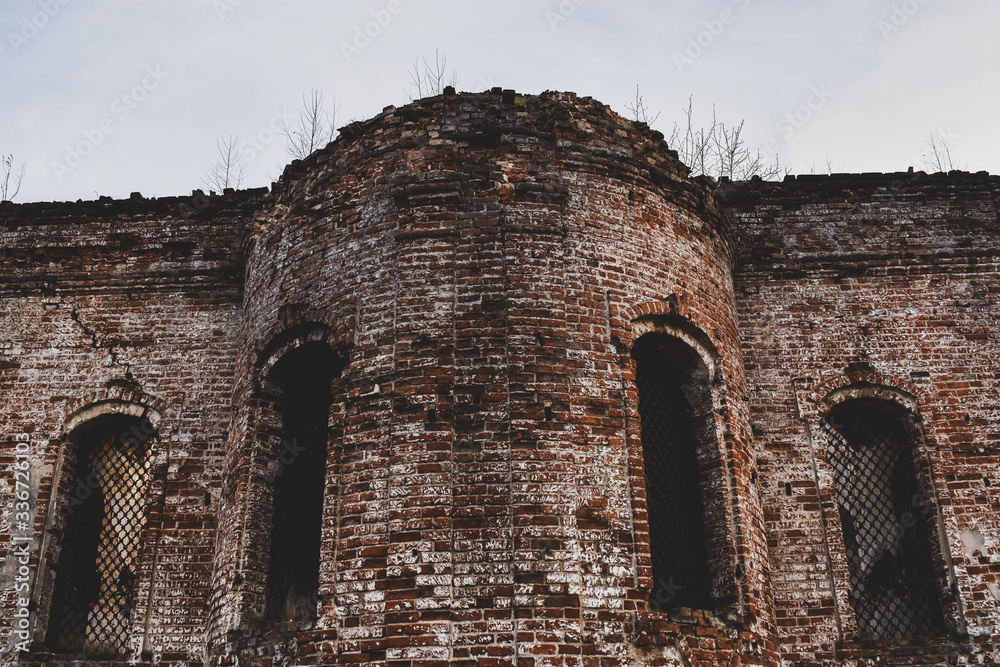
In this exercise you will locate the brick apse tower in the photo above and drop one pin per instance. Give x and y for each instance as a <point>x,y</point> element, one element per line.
<point>491,380</point>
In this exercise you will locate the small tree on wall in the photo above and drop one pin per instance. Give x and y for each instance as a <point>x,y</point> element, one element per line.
<point>720,150</point>
<point>227,172</point>
<point>12,177</point>
<point>717,150</point>
<point>316,128</point>
<point>937,154</point>
<point>428,78</point>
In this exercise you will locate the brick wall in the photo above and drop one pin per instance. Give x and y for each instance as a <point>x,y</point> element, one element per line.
<point>483,265</point>
<point>109,306</point>
<point>886,281</point>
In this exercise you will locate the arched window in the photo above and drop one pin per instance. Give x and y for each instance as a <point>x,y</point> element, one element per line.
<point>300,382</point>
<point>894,591</point>
<point>93,597</point>
<point>674,409</point>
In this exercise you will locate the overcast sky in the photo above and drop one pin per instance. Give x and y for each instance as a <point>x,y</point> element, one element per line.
<point>108,97</point>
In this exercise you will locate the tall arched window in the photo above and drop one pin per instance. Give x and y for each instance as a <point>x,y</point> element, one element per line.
<point>894,590</point>
<point>93,598</point>
<point>300,383</point>
<point>674,403</point>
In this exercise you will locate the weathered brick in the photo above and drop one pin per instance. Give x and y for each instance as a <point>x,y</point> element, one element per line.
<point>484,267</point>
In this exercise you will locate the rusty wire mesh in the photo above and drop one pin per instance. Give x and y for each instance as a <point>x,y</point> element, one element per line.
<point>93,599</point>
<point>681,576</point>
<point>894,590</point>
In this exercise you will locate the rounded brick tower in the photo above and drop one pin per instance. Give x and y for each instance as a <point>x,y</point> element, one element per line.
<point>490,403</point>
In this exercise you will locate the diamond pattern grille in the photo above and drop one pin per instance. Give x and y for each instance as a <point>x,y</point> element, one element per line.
<point>681,576</point>
<point>893,586</point>
<point>93,598</point>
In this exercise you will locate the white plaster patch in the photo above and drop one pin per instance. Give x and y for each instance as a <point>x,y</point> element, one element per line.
<point>972,542</point>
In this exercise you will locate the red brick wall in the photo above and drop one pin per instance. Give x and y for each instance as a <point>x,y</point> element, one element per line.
<point>484,263</point>
<point>481,264</point>
<point>110,303</point>
<point>888,281</point>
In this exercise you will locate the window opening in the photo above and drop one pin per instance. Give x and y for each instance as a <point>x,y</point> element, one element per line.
<point>93,598</point>
<point>894,590</point>
<point>677,535</point>
<point>302,379</point>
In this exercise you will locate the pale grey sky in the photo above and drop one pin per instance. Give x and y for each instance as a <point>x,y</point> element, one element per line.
<point>107,97</point>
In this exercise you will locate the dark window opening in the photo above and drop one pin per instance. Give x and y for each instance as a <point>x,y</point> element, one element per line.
<point>93,598</point>
<point>302,381</point>
<point>894,590</point>
<point>666,372</point>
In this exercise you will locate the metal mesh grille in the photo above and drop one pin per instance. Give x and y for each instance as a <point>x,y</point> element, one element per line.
<point>893,586</point>
<point>681,576</point>
<point>93,598</point>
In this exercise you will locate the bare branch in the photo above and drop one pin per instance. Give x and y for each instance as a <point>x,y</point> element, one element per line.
<point>693,145</point>
<point>638,110</point>
<point>827,167</point>
<point>937,154</point>
<point>428,79</point>
<point>316,127</point>
<point>13,176</point>
<point>416,81</point>
<point>719,150</point>
<point>227,172</point>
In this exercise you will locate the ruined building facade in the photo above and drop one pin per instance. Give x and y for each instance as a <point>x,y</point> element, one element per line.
<point>491,380</point>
